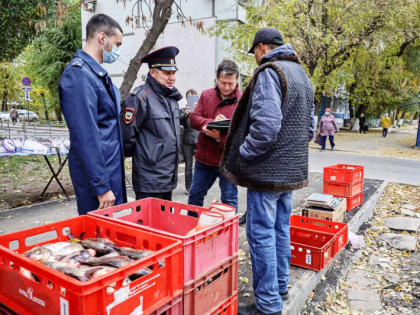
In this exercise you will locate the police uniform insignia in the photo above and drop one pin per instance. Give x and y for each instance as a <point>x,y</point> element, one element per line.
<point>129,115</point>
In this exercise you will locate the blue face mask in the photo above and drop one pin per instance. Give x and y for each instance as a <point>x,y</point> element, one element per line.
<point>111,56</point>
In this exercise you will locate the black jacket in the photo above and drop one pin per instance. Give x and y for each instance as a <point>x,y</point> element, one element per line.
<point>190,135</point>
<point>151,134</point>
<point>362,120</point>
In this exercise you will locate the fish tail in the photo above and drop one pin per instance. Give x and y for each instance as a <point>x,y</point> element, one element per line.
<point>82,235</point>
<point>70,236</point>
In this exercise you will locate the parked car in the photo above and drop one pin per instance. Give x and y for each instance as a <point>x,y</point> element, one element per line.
<point>4,116</point>
<point>23,116</point>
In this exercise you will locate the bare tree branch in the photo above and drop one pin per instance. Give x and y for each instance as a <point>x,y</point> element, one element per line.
<point>161,14</point>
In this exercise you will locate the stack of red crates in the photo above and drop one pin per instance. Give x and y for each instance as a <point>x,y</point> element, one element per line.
<point>345,181</point>
<point>210,256</point>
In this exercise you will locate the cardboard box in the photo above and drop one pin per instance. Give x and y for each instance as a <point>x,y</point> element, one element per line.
<point>337,215</point>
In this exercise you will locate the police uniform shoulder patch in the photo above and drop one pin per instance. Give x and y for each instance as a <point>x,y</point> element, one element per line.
<point>129,115</point>
<point>78,62</point>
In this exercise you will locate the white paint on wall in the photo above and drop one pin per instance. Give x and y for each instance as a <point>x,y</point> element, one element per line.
<point>199,53</point>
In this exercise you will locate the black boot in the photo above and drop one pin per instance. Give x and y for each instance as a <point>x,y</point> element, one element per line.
<point>285,296</point>
<point>252,310</point>
<point>242,220</point>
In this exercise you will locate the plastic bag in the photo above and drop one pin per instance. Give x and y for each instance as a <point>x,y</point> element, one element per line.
<point>318,139</point>
<point>356,240</point>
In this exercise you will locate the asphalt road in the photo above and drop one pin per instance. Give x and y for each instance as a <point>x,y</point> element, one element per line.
<point>376,167</point>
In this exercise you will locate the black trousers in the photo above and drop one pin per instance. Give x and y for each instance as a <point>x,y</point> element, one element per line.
<point>362,128</point>
<point>164,196</point>
<point>189,150</point>
<point>384,132</point>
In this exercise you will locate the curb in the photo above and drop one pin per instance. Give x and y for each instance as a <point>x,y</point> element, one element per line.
<point>308,281</point>
<point>72,198</point>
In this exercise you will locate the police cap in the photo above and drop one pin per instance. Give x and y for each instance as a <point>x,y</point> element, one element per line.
<point>163,59</point>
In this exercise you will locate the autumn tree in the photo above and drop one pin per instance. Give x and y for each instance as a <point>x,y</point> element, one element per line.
<point>20,21</point>
<point>10,76</point>
<point>326,34</point>
<point>50,53</point>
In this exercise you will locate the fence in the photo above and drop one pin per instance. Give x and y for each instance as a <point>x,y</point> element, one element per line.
<point>31,130</point>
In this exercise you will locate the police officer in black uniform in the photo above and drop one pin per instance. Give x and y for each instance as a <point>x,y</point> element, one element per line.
<point>151,129</point>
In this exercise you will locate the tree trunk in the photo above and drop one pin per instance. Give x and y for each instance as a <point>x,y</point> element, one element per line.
<point>361,110</point>
<point>4,102</point>
<point>416,116</point>
<point>161,14</point>
<point>396,117</point>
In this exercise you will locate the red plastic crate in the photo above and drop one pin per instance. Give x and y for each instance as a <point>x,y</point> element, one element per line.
<point>353,202</point>
<point>57,293</point>
<point>173,307</point>
<point>343,189</point>
<point>343,173</point>
<point>203,250</point>
<point>229,307</point>
<point>208,294</point>
<point>311,249</point>
<point>339,230</point>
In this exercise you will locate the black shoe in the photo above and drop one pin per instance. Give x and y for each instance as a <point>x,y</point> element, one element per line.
<point>285,296</point>
<point>242,220</point>
<point>252,310</point>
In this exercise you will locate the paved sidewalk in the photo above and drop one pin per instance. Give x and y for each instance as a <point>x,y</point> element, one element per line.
<point>370,142</point>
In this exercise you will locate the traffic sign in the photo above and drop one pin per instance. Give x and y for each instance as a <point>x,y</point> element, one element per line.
<point>27,96</point>
<point>26,81</point>
<point>26,88</point>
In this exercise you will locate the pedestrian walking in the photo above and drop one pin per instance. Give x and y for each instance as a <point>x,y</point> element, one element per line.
<point>327,128</point>
<point>215,104</point>
<point>151,129</point>
<point>189,142</point>
<point>14,115</point>
<point>362,121</point>
<point>386,123</point>
<point>91,105</point>
<point>267,152</point>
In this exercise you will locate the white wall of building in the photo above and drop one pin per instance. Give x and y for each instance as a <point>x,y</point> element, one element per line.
<point>199,53</point>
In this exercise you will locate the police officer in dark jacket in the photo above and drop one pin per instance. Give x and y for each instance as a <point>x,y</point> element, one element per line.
<point>91,106</point>
<point>151,129</point>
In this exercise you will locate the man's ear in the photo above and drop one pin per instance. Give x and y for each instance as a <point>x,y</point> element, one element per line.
<point>101,38</point>
<point>152,73</point>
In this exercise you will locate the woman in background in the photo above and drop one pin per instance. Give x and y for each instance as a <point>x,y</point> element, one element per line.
<point>327,128</point>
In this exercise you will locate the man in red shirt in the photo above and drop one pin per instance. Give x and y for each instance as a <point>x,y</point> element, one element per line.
<point>215,104</point>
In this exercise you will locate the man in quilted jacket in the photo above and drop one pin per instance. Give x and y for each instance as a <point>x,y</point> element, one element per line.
<point>267,152</point>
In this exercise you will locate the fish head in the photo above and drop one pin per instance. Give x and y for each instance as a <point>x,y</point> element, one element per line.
<point>40,254</point>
